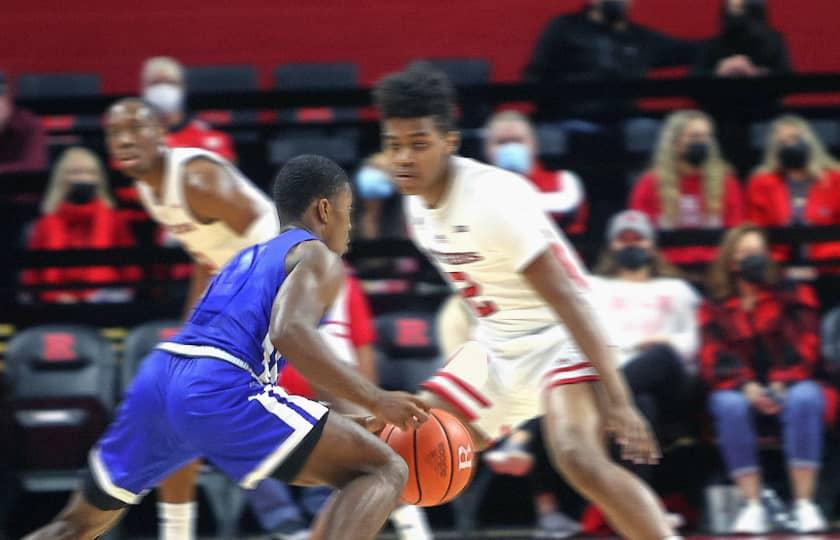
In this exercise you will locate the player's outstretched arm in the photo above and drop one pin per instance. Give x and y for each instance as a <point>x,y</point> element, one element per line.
<point>310,288</point>
<point>547,276</point>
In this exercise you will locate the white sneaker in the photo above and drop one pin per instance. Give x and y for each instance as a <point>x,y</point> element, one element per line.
<point>410,523</point>
<point>752,519</point>
<point>809,518</point>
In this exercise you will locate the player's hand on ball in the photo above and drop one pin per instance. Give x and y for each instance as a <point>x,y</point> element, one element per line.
<point>370,423</point>
<point>402,409</point>
<point>633,435</point>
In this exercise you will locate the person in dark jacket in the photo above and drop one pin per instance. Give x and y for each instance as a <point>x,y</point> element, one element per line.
<point>23,145</point>
<point>601,43</point>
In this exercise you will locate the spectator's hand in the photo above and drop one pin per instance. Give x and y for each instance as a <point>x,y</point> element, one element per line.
<point>737,65</point>
<point>633,435</point>
<point>402,409</point>
<point>757,397</point>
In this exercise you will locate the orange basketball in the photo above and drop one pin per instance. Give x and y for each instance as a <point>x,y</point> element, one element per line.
<point>439,456</point>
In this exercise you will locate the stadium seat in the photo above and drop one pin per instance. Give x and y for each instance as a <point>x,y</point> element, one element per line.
<point>830,337</point>
<point>340,147</point>
<point>408,353</point>
<point>553,141</point>
<point>224,496</point>
<point>467,72</point>
<point>60,85</point>
<point>223,79</point>
<point>63,381</point>
<point>321,76</point>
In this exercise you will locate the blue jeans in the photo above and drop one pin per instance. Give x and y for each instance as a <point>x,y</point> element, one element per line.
<point>802,427</point>
<point>273,504</point>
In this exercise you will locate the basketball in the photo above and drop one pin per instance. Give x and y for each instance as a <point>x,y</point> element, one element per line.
<point>439,455</point>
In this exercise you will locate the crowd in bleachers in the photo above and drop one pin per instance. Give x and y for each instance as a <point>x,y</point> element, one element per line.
<point>726,346</point>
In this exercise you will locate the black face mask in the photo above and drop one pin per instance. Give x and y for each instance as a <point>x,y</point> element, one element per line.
<point>794,157</point>
<point>614,11</point>
<point>81,193</point>
<point>633,257</point>
<point>696,154</point>
<point>754,269</point>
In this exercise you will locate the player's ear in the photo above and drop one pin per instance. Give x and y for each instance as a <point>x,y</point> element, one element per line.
<point>453,141</point>
<point>324,210</point>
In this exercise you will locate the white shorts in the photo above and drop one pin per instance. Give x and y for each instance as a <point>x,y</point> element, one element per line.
<point>497,393</point>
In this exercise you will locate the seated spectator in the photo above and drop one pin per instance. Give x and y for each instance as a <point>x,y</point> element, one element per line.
<point>689,185</point>
<point>379,206</point>
<point>23,145</point>
<point>163,86</point>
<point>510,143</point>
<point>798,183</point>
<point>78,213</point>
<point>747,45</point>
<point>760,348</point>
<point>600,43</point>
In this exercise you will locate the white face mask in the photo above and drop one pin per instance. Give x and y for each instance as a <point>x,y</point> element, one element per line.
<point>169,98</point>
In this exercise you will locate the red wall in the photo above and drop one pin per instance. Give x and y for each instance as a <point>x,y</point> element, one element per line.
<point>112,37</point>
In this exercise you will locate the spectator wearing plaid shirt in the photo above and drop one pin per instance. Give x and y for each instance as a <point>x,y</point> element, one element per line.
<point>760,348</point>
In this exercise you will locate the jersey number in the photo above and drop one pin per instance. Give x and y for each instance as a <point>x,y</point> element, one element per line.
<point>470,291</point>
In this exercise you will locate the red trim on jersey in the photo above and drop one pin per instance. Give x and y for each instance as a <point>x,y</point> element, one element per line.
<point>566,369</point>
<point>466,387</point>
<point>342,323</point>
<point>444,394</point>
<point>573,380</point>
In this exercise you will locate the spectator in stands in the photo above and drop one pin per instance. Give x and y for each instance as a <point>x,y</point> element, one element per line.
<point>760,348</point>
<point>689,185</point>
<point>510,143</point>
<point>379,213</point>
<point>23,145</point>
<point>78,213</point>
<point>163,86</point>
<point>798,183</point>
<point>747,45</point>
<point>600,43</point>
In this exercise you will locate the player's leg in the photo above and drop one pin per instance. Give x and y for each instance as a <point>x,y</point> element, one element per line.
<point>79,520</point>
<point>176,503</point>
<point>574,433</point>
<point>368,476</point>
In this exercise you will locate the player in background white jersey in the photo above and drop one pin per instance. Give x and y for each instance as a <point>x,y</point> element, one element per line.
<point>484,230</point>
<point>212,210</point>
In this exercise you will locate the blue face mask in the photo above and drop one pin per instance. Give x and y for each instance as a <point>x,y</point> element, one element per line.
<point>373,183</point>
<point>514,157</point>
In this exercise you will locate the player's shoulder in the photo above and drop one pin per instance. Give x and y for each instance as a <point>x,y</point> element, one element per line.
<point>482,182</point>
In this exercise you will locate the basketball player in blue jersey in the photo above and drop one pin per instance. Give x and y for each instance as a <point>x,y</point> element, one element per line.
<point>209,391</point>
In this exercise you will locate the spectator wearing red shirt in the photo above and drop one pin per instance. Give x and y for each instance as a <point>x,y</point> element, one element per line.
<point>760,348</point>
<point>78,213</point>
<point>23,145</point>
<point>798,183</point>
<point>164,87</point>
<point>510,143</point>
<point>689,185</point>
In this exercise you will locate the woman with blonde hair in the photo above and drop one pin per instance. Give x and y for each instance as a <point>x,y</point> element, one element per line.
<point>760,349</point>
<point>78,213</point>
<point>798,183</point>
<point>689,185</point>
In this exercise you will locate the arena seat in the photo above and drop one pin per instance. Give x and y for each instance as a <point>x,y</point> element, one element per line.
<point>317,76</point>
<point>340,147</point>
<point>60,85</point>
<point>467,72</point>
<point>830,337</point>
<point>63,380</point>
<point>223,79</point>
<point>224,496</point>
<point>408,352</point>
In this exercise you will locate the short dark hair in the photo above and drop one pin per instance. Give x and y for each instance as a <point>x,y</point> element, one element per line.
<point>303,179</point>
<point>420,90</point>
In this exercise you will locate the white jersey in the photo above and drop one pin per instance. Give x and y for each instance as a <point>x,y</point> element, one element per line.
<point>660,308</point>
<point>211,244</point>
<point>488,228</point>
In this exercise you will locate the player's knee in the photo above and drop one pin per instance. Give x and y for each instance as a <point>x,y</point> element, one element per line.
<point>63,530</point>
<point>395,471</point>
<point>573,454</point>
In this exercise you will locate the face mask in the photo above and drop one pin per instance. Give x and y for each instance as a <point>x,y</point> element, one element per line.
<point>794,157</point>
<point>169,98</point>
<point>81,193</point>
<point>696,154</point>
<point>633,257</point>
<point>753,268</point>
<point>613,11</point>
<point>373,183</point>
<point>514,157</point>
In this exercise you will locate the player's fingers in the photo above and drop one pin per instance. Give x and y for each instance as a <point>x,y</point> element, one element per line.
<point>420,403</point>
<point>420,414</point>
<point>374,425</point>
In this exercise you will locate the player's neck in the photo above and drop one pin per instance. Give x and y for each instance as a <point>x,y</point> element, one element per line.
<point>639,275</point>
<point>154,177</point>
<point>437,193</point>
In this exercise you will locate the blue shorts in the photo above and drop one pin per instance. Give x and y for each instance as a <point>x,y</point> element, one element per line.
<point>180,408</point>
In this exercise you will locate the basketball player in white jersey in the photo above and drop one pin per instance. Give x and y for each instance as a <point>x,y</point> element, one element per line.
<point>209,206</point>
<point>538,349</point>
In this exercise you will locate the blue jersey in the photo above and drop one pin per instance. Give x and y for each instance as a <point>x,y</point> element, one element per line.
<point>231,320</point>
